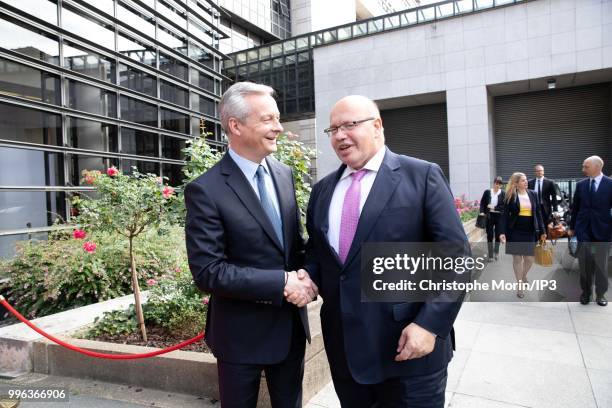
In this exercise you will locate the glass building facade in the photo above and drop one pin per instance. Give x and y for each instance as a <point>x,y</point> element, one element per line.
<point>87,85</point>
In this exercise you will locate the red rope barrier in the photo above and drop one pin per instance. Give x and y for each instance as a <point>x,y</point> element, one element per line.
<point>95,353</point>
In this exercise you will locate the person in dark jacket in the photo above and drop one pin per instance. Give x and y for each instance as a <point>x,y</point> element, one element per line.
<point>492,205</point>
<point>546,192</point>
<point>521,226</point>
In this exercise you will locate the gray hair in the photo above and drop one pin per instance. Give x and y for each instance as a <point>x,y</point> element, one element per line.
<point>233,105</point>
<point>596,160</point>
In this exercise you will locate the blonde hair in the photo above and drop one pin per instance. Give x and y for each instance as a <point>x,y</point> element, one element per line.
<point>512,185</point>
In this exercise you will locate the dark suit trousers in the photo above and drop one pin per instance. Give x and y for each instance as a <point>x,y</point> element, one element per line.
<point>239,383</point>
<point>425,391</point>
<point>493,232</point>
<point>593,260</point>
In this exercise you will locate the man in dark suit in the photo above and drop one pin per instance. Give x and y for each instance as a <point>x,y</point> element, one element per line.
<point>390,354</point>
<point>244,244</point>
<point>546,192</point>
<point>591,222</point>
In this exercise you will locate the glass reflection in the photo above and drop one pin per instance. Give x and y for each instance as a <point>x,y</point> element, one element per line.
<point>127,166</point>
<point>139,142</point>
<point>175,121</point>
<point>91,99</point>
<point>21,80</point>
<point>44,9</point>
<point>31,209</point>
<point>174,172</point>
<point>136,50</point>
<point>29,42</point>
<point>172,148</point>
<point>88,27</point>
<point>172,40</point>
<point>202,104</point>
<point>89,63</point>
<point>172,66</point>
<point>202,80</point>
<point>77,163</point>
<point>25,167</point>
<point>137,80</point>
<point>92,135</point>
<point>138,111</point>
<point>136,18</point>
<point>29,126</point>
<point>174,94</point>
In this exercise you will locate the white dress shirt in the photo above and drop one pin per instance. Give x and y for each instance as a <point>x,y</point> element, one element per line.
<point>539,182</point>
<point>597,181</point>
<point>494,200</point>
<point>335,207</point>
<point>249,169</point>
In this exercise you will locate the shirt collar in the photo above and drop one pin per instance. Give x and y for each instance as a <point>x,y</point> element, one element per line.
<point>372,165</point>
<point>598,178</point>
<point>248,167</point>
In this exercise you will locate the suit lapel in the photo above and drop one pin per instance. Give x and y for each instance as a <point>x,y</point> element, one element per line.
<point>241,186</point>
<point>384,185</point>
<point>325,197</point>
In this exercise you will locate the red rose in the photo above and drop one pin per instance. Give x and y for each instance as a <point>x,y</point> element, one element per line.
<point>89,246</point>
<point>167,192</point>
<point>79,234</point>
<point>151,282</point>
<point>112,171</point>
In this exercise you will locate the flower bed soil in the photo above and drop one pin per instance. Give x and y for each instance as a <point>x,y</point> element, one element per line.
<point>157,338</point>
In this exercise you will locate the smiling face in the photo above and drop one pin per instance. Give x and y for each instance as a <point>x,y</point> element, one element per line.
<point>522,183</point>
<point>357,146</point>
<point>255,137</point>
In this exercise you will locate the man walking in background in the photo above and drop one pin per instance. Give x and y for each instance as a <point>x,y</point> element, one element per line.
<point>591,222</point>
<point>546,192</point>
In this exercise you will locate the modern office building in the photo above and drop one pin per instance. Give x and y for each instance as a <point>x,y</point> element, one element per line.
<point>481,87</point>
<point>87,85</point>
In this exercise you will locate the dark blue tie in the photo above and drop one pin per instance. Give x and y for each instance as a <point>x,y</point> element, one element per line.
<point>267,205</point>
<point>592,188</point>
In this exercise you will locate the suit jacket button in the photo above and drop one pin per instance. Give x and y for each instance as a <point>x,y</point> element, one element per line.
<point>342,277</point>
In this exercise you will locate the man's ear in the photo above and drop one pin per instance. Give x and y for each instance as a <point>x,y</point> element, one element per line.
<point>233,126</point>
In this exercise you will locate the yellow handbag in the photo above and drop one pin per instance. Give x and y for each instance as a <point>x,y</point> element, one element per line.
<point>544,254</point>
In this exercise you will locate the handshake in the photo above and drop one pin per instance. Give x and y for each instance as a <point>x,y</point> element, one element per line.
<point>299,288</point>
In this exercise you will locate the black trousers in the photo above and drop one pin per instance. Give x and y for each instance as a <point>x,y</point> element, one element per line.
<point>239,383</point>
<point>593,260</point>
<point>426,391</point>
<point>493,222</point>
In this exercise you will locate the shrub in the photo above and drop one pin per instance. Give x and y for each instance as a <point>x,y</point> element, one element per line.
<point>175,304</point>
<point>51,276</point>
<point>466,209</point>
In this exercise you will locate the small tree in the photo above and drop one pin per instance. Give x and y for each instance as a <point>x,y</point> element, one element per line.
<point>128,206</point>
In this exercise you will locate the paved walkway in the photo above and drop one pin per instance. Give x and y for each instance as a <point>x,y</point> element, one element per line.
<point>527,353</point>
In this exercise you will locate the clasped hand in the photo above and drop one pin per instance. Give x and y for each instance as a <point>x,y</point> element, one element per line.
<point>300,289</point>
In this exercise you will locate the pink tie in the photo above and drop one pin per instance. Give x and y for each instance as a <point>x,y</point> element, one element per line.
<point>350,214</point>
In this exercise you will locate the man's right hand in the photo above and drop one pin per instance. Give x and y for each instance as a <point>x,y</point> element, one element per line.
<point>300,289</point>
<point>570,233</point>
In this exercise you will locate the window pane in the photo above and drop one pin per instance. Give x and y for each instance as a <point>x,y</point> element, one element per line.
<point>174,172</point>
<point>29,42</point>
<point>202,80</point>
<point>43,9</point>
<point>77,163</point>
<point>203,104</point>
<point>21,80</point>
<point>89,63</point>
<point>7,245</point>
<point>175,14</point>
<point>172,148</point>
<point>172,66</point>
<point>137,80</point>
<point>29,125</point>
<point>24,167</point>
<point>92,135</point>
<point>172,40</point>
<point>105,5</point>
<point>136,50</point>
<point>91,99</point>
<point>136,18</point>
<point>30,209</point>
<point>138,142</point>
<point>175,121</point>
<point>138,111</point>
<point>174,94</point>
<point>201,55</point>
<point>142,166</point>
<point>87,27</point>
